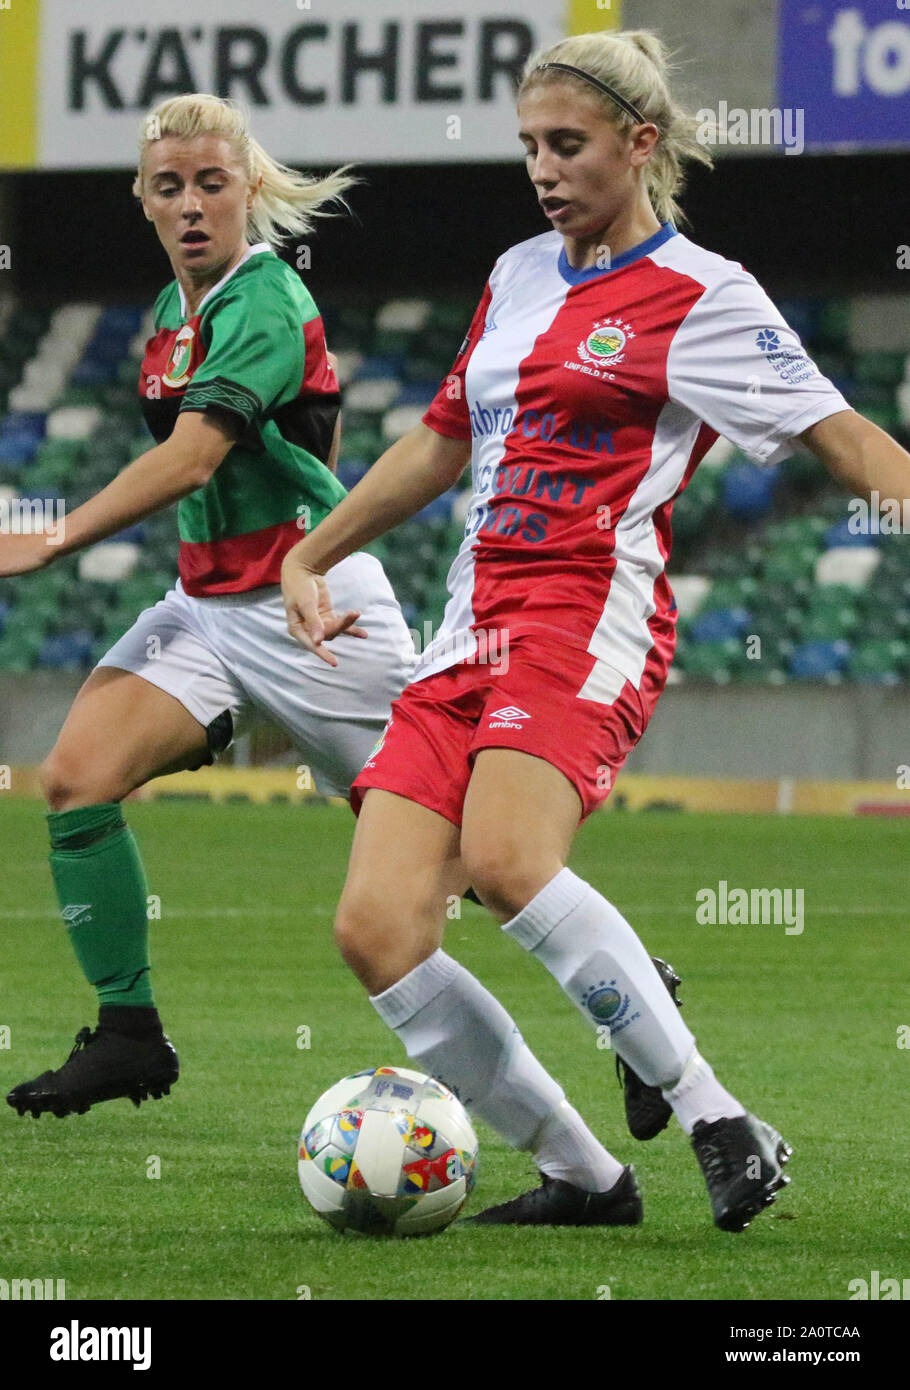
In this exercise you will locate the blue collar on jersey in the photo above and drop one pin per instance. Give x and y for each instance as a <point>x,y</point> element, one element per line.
<point>644,248</point>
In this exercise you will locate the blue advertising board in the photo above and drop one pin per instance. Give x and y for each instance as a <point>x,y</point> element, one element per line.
<point>846,64</point>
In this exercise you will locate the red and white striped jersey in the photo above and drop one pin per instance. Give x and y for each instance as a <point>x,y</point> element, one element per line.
<point>590,396</point>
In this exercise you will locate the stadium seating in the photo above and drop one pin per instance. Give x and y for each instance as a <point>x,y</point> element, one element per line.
<point>773,579</point>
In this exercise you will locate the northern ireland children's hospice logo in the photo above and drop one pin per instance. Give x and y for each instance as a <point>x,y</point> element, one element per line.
<point>605,344</point>
<point>177,371</point>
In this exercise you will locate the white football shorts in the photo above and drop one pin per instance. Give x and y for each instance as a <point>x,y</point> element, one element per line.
<point>231,657</point>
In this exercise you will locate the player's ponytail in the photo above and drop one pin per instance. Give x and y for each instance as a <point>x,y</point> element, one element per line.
<point>287,201</point>
<point>635,63</point>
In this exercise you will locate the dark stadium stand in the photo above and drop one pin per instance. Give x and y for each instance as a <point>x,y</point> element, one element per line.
<point>767,553</point>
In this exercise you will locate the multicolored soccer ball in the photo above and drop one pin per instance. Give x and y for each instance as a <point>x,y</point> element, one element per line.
<point>387,1152</point>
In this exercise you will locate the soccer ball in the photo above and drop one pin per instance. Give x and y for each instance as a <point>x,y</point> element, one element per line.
<point>387,1152</point>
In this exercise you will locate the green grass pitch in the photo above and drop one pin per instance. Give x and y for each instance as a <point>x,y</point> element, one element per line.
<point>804,1028</point>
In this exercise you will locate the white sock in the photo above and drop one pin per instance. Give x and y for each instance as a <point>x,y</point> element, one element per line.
<point>458,1032</point>
<point>698,1095</point>
<point>589,947</point>
<point>567,1149</point>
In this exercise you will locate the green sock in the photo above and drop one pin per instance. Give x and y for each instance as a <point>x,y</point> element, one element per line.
<point>103,895</point>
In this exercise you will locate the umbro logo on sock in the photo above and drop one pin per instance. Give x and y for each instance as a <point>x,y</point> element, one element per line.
<point>74,913</point>
<point>506,717</point>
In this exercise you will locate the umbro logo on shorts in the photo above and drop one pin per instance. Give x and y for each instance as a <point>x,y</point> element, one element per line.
<point>74,912</point>
<point>506,717</point>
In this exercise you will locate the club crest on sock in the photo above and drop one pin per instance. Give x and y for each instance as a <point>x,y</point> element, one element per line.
<point>605,1003</point>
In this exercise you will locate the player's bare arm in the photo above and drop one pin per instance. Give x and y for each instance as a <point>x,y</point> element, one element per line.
<point>418,467</point>
<point>862,457</point>
<point>331,462</point>
<point>155,480</point>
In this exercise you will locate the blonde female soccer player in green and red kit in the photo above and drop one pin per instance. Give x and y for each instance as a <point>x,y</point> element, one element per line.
<point>243,403</point>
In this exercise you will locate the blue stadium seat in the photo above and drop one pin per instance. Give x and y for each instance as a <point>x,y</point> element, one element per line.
<point>350,471</point>
<point>439,508</point>
<point>121,320</point>
<point>801,314</point>
<point>15,450</point>
<point>416,393</point>
<point>748,491</point>
<point>379,368</point>
<point>135,534</point>
<point>719,624</point>
<point>95,371</point>
<point>819,660</point>
<point>31,423</point>
<point>841,535</point>
<point>68,651</point>
<point>109,348</point>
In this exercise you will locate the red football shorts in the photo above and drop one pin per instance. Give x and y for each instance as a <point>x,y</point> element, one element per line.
<point>531,703</point>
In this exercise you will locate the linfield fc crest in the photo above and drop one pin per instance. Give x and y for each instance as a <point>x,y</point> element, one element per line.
<point>605,1003</point>
<point>606,343</point>
<point>177,371</point>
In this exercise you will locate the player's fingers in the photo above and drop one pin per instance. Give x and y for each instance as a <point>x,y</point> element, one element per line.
<point>303,607</point>
<point>306,630</point>
<point>299,632</point>
<point>346,624</point>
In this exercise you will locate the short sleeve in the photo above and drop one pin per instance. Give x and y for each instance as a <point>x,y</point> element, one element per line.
<point>255,357</point>
<point>737,365</point>
<point>448,413</point>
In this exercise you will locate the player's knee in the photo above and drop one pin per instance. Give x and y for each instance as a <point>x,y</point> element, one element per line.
<point>68,784</point>
<point>359,935</point>
<point>383,934</point>
<point>58,781</point>
<point>504,876</point>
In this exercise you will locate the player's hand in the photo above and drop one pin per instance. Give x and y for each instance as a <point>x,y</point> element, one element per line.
<point>312,621</point>
<point>20,554</point>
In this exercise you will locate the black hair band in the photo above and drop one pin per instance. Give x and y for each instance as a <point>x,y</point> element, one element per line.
<point>611,92</point>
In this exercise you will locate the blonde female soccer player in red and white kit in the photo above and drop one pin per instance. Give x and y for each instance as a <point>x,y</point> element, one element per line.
<point>605,357</point>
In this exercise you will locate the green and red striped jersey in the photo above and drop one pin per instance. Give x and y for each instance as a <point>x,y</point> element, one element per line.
<point>255,347</point>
